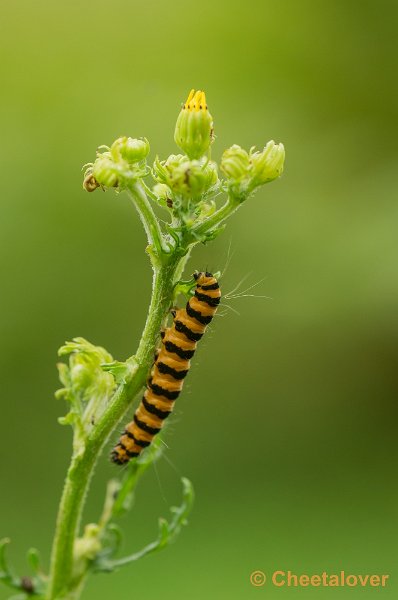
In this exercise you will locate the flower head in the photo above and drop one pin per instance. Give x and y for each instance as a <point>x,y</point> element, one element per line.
<point>186,178</point>
<point>268,164</point>
<point>194,127</point>
<point>131,150</point>
<point>105,171</point>
<point>124,161</point>
<point>235,163</point>
<point>245,171</point>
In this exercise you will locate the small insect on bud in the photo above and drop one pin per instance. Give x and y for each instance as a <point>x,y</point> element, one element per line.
<point>235,163</point>
<point>90,183</point>
<point>268,164</point>
<point>194,127</point>
<point>131,150</point>
<point>161,191</point>
<point>163,194</point>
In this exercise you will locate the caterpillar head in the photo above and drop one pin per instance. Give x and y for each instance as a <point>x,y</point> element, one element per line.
<point>203,277</point>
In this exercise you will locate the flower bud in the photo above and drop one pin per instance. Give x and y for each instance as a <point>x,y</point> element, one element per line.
<point>186,178</point>
<point>163,170</point>
<point>194,127</point>
<point>163,195</point>
<point>105,171</point>
<point>82,374</point>
<point>235,163</point>
<point>268,164</point>
<point>246,171</point>
<point>130,149</point>
<point>162,191</point>
<point>88,546</point>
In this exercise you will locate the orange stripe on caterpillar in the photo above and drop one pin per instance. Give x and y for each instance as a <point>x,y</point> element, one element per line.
<point>171,365</point>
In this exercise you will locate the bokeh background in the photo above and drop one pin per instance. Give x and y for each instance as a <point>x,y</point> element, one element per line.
<point>288,422</point>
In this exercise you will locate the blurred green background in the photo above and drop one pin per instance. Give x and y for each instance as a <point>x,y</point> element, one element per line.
<point>288,422</point>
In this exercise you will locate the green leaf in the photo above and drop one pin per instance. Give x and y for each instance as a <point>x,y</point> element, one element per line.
<point>62,394</point>
<point>134,471</point>
<point>184,287</point>
<point>3,562</point>
<point>6,576</point>
<point>168,531</point>
<point>33,558</point>
<point>112,540</point>
<point>64,374</point>
<point>173,232</point>
<point>164,532</point>
<point>29,585</point>
<point>81,345</point>
<point>121,371</point>
<point>70,419</point>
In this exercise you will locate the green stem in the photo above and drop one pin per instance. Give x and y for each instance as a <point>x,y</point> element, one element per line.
<point>148,218</point>
<point>82,465</point>
<point>168,268</point>
<point>230,206</point>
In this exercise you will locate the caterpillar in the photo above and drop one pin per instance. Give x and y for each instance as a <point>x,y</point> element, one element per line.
<point>171,366</point>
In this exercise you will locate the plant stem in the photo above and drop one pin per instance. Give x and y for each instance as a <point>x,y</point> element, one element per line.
<point>148,218</point>
<point>82,465</point>
<point>230,206</point>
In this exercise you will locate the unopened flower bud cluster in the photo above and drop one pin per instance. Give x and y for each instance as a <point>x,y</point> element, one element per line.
<point>126,158</point>
<point>187,184</point>
<point>245,171</point>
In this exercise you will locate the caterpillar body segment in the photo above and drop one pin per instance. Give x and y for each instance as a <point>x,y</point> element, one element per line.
<point>172,363</point>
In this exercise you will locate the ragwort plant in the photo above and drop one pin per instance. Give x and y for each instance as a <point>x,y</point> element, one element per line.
<point>98,389</point>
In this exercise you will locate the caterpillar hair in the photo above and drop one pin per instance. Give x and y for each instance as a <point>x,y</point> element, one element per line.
<point>171,366</point>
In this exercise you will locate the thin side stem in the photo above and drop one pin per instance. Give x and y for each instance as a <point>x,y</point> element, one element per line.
<point>148,218</point>
<point>82,466</point>
<point>230,206</point>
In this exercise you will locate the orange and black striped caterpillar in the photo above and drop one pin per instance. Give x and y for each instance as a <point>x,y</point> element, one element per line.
<point>171,365</point>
